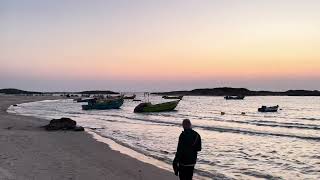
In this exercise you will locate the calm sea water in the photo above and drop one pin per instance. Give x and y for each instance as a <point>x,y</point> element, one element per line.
<point>282,145</point>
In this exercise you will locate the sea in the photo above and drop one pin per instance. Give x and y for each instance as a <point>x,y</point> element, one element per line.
<point>241,144</point>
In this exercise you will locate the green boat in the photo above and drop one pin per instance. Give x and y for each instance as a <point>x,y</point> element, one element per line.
<point>172,97</point>
<point>103,104</point>
<point>148,107</point>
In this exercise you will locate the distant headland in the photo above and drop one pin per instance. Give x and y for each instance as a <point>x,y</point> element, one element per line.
<point>17,91</point>
<point>221,91</point>
<point>20,92</point>
<point>228,91</point>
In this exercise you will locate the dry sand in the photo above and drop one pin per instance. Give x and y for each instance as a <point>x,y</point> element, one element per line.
<point>27,152</point>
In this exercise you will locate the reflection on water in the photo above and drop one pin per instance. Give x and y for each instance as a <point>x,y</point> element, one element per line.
<point>282,145</point>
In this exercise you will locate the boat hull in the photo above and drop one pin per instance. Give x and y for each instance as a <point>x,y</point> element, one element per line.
<point>111,104</point>
<point>234,97</point>
<point>268,109</point>
<point>172,97</point>
<point>148,107</point>
<point>83,100</point>
<point>129,97</point>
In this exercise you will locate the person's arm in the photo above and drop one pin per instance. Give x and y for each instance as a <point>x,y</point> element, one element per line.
<point>177,157</point>
<point>198,143</point>
<point>178,153</point>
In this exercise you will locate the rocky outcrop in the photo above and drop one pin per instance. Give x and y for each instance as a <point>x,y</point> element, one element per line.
<point>17,91</point>
<point>98,92</point>
<point>63,124</point>
<point>227,91</point>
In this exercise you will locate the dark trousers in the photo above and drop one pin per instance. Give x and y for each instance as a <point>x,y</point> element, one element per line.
<point>186,172</point>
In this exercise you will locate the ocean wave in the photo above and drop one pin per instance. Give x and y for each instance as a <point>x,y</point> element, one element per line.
<point>251,115</point>
<point>253,122</point>
<point>226,129</point>
<point>165,159</point>
<point>310,119</point>
<point>256,174</point>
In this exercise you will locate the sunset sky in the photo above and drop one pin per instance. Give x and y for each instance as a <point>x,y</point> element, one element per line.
<point>149,45</point>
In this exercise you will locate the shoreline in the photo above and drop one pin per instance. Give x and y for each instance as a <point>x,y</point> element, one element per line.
<point>33,153</point>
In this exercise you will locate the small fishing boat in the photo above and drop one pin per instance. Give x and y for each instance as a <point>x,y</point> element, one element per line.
<point>268,109</point>
<point>113,97</point>
<point>148,107</point>
<point>130,97</point>
<point>234,97</point>
<point>102,104</point>
<point>172,97</point>
<point>83,100</point>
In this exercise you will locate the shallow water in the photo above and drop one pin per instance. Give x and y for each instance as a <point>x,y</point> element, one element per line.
<point>282,145</point>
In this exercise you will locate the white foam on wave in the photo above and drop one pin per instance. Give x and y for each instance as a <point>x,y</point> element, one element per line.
<point>134,154</point>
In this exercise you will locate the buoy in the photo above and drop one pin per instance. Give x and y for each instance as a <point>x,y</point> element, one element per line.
<point>223,113</point>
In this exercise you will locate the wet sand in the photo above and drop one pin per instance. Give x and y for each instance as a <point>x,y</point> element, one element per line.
<point>29,152</point>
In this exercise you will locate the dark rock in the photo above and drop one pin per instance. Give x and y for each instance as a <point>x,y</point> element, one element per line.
<point>61,124</point>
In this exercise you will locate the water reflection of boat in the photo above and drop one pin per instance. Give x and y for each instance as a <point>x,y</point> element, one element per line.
<point>234,97</point>
<point>268,109</point>
<point>148,107</point>
<point>172,97</point>
<point>102,104</point>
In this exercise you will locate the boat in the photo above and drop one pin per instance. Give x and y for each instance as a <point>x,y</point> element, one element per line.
<point>268,109</point>
<point>148,107</point>
<point>83,100</point>
<point>172,97</point>
<point>102,104</point>
<point>234,97</point>
<point>130,97</point>
<point>113,97</point>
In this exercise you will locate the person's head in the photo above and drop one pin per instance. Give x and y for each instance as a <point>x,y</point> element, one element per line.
<point>186,124</point>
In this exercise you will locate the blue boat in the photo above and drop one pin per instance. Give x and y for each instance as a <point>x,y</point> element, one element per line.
<point>103,104</point>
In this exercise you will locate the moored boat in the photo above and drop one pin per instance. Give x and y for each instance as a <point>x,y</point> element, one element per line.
<point>102,104</point>
<point>130,97</point>
<point>172,97</point>
<point>148,107</point>
<point>234,97</point>
<point>83,100</point>
<point>268,109</point>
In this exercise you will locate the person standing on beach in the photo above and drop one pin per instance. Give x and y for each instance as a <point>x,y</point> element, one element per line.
<point>187,151</point>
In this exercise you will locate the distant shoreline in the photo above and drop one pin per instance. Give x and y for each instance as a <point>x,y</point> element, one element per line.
<point>220,91</point>
<point>227,91</point>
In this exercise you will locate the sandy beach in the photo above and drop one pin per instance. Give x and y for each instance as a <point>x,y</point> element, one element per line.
<point>29,152</point>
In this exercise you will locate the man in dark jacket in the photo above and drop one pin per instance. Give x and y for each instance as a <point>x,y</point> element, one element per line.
<point>187,151</point>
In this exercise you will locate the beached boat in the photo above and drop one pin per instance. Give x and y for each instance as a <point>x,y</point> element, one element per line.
<point>130,97</point>
<point>268,109</point>
<point>148,107</point>
<point>234,97</point>
<point>103,104</point>
<point>172,97</point>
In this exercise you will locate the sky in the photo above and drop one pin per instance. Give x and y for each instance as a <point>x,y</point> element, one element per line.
<point>149,45</point>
